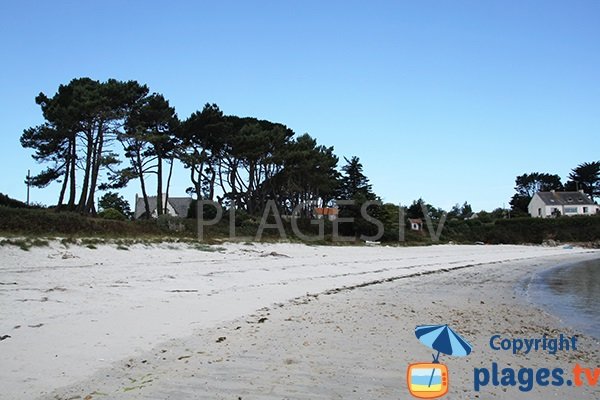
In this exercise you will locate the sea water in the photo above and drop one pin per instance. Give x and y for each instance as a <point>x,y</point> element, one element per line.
<point>572,293</point>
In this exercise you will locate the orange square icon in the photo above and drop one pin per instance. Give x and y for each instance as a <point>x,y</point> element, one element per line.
<point>427,380</point>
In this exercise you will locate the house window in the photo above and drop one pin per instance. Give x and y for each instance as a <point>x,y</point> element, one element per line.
<point>570,210</point>
<point>539,212</point>
<point>585,210</point>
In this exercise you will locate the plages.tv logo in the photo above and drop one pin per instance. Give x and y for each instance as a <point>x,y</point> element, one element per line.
<point>429,380</point>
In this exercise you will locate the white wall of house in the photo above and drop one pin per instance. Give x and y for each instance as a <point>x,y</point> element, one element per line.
<point>537,208</point>
<point>579,210</point>
<point>594,209</point>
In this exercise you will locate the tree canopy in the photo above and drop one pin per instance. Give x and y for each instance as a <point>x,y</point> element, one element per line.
<point>529,184</point>
<point>112,200</point>
<point>586,177</point>
<point>91,127</point>
<point>82,119</point>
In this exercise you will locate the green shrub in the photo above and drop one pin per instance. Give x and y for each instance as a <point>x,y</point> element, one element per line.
<point>113,214</point>
<point>52,223</point>
<point>523,230</point>
<point>9,202</point>
<point>209,211</point>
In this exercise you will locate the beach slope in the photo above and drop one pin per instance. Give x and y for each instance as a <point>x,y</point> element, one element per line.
<point>263,320</point>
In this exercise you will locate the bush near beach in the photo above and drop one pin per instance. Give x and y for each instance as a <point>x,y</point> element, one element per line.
<point>44,222</point>
<point>525,230</point>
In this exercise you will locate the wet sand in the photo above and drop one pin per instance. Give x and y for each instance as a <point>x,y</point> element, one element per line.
<point>571,291</point>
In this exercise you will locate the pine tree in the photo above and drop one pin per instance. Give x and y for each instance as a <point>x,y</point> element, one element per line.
<point>82,119</point>
<point>355,186</point>
<point>149,140</point>
<point>586,177</point>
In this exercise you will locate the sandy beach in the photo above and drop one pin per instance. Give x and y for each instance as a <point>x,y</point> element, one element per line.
<point>268,321</point>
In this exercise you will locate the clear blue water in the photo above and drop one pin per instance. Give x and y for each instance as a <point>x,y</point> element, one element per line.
<point>571,292</point>
<point>425,380</point>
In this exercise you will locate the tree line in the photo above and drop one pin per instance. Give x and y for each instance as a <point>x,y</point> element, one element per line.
<point>100,136</point>
<point>104,135</point>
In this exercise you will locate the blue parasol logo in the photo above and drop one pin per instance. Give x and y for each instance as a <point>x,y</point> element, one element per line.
<point>430,380</point>
<point>443,339</point>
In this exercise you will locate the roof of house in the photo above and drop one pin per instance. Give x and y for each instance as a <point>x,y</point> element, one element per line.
<point>565,198</point>
<point>326,210</point>
<point>415,221</point>
<point>179,204</point>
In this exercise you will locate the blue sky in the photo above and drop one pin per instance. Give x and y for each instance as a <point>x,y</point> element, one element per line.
<point>444,100</point>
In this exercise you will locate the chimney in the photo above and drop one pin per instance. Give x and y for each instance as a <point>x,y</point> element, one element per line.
<point>581,191</point>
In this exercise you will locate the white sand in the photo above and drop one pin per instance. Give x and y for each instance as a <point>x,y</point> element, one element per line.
<point>72,312</point>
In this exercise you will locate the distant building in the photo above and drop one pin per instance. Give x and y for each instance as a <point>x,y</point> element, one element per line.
<point>330,213</point>
<point>416,224</point>
<point>552,204</point>
<point>176,206</point>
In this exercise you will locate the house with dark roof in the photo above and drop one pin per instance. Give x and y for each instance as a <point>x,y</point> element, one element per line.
<point>553,204</point>
<point>176,206</point>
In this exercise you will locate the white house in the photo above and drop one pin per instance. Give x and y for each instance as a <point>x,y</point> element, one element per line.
<point>176,206</point>
<point>552,204</point>
<point>416,224</point>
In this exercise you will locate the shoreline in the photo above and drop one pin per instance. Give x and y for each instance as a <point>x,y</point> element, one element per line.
<point>349,343</point>
<point>256,342</point>
<point>564,303</point>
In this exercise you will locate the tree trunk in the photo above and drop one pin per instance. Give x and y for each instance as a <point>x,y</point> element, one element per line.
<point>250,191</point>
<point>195,182</point>
<point>211,190</point>
<point>140,172</point>
<point>63,188</point>
<point>159,203</point>
<point>197,168</point>
<point>232,184</point>
<point>73,182</point>
<point>89,208</point>
<point>88,166</point>
<point>169,184</point>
